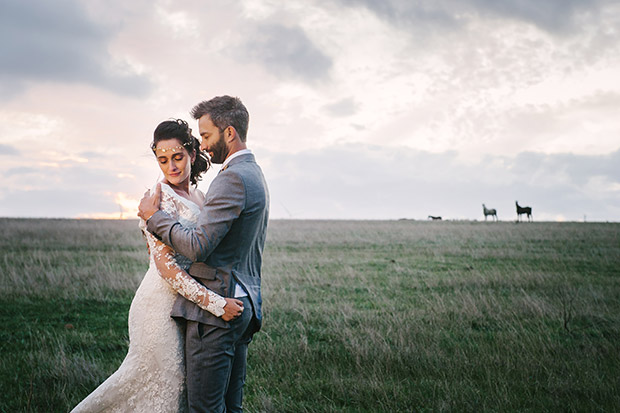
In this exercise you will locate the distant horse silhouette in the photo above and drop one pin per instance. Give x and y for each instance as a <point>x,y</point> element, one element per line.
<point>523,210</point>
<point>434,218</point>
<point>491,212</point>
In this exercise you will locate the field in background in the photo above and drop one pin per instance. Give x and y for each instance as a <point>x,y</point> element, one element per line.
<point>381,316</point>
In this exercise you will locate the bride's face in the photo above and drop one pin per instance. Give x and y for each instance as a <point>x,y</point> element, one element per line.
<point>174,161</point>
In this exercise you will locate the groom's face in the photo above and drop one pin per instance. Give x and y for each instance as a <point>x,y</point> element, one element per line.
<point>213,141</point>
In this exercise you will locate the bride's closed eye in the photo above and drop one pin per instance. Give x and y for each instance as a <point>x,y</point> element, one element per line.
<point>178,158</point>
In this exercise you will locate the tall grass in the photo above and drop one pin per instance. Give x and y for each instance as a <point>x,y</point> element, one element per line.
<point>394,316</point>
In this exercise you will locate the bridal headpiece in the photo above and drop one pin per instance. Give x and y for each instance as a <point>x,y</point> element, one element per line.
<point>173,149</point>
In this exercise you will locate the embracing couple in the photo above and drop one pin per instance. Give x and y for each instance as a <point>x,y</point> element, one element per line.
<point>199,303</point>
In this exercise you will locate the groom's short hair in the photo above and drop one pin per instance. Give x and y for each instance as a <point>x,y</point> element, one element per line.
<point>224,111</point>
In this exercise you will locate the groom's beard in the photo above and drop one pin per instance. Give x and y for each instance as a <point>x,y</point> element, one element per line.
<point>219,150</point>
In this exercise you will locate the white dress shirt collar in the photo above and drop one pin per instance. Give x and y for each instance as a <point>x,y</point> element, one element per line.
<point>234,155</point>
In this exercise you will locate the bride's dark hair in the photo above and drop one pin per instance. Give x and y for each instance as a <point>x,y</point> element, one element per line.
<point>179,129</point>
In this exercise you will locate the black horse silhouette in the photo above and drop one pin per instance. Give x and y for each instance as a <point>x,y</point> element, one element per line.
<point>434,218</point>
<point>523,210</point>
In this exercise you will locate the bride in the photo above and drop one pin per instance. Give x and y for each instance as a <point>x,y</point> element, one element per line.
<point>152,375</point>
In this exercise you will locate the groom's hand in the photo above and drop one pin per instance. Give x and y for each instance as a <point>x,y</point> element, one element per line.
<point>232,309</point>
<point>149,203</point>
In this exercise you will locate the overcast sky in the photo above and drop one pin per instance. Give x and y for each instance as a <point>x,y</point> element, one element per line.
<point>359,109</point>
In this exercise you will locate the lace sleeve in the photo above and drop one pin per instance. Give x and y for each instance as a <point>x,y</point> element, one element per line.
<point>180,280</point>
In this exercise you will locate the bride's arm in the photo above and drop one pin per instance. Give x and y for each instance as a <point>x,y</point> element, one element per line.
<point>188,287</point>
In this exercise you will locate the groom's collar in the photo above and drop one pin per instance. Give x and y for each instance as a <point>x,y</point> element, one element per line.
<point>235,155</point>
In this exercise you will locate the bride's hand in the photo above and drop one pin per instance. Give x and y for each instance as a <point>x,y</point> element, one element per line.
<point>232,309</point>
<point>149,203</point>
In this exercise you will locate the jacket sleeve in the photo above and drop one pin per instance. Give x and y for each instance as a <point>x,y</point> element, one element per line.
<point>224,203</point>
<point>180,280</point>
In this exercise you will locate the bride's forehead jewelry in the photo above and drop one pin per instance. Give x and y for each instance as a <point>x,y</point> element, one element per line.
<point>173,149</point>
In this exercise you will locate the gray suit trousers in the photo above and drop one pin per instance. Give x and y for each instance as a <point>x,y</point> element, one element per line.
<point>215,361</point>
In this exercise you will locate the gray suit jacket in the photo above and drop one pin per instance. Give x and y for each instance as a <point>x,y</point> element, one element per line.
<point>227,244</point>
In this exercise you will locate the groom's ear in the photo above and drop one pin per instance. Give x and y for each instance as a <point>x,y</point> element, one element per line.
<point>230,133</point>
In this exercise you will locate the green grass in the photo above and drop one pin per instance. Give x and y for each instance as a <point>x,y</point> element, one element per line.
<point>360,316</point>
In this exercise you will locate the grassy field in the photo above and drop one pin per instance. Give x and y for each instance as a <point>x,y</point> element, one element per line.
<point>381,316</point>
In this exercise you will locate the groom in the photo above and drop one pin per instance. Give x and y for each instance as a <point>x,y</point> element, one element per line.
<point>226,248</point>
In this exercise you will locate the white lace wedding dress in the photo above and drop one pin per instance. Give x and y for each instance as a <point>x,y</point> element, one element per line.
<point>152,376</point>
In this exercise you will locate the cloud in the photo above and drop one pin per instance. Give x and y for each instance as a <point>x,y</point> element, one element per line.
<point>8,150</point>
<point>549,170</point>
<point>285,51</point>
<point>416,15</point>
<point>342,108</point>
<point>68,189</point>
<point>552,15</point>
<point>43,41</point>
<point>56,203</point>
<point>91,155</point>
<point>64,175</point>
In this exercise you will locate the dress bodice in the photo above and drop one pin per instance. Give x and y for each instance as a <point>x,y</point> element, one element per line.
<point>181,209</point>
